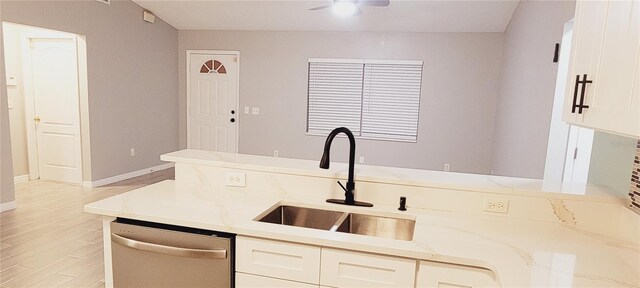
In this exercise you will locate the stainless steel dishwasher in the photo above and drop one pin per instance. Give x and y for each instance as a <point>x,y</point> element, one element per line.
<point>146,254</point>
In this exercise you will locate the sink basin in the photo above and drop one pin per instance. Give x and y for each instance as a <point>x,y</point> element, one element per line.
<point>337,221</point>
<point>385,227</point>
<point>302,217</point>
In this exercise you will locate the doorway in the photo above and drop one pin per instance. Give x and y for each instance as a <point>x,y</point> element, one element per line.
<point>46,85</point>
<point>569,147</point>
<point>213,100</point>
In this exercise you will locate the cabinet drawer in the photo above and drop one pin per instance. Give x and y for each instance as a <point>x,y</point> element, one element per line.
<point>440,275</point>
<point>278,259</point>
<point>354,269</point>
<point>254,281</point>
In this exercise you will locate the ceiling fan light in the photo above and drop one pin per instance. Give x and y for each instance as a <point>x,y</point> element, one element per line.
<point>345,8</point>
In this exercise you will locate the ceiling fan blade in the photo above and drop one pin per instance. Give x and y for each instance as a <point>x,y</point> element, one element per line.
<point>320,7</point>
<point>377,3</point>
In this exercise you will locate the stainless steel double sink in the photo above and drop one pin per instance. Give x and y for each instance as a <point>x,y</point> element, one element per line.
<point>339,221</point>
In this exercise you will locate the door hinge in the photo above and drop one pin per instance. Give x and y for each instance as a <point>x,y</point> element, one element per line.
<point>575,154</point>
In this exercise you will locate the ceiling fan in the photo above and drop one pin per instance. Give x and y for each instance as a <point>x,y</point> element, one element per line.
<point>351,7</point>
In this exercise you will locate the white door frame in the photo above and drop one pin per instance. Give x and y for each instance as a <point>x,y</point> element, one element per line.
<point>214,52</point>
<point>32,149</point>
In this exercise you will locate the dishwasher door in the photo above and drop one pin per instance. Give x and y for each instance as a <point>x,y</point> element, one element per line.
<point>146,254</point>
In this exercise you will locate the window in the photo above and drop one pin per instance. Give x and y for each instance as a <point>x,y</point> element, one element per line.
<point>375,99</point>
<point>213,66</point>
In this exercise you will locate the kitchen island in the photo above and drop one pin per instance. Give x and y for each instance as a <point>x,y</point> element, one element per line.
<point>544,240</point>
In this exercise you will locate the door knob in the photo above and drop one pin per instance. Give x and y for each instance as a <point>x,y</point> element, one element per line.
<point>36,119</point>
<point>233,120</point>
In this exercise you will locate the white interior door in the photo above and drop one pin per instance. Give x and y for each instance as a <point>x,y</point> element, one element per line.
<point>212,102</point>
<point>54,83</point>
<point>578,156</point>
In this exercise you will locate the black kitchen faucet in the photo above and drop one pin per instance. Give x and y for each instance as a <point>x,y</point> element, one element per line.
<point>349,198</point>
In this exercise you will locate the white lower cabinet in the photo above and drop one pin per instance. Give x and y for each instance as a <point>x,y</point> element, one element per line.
<point>278,259</point>
<point>341,268</point>
<point>441,275</point>
<point>244,280</point>
<point>269,263</point>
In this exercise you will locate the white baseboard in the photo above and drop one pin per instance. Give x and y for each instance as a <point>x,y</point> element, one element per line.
<point>21,179</point>
<point>7,206</point>
<point>121,177</point>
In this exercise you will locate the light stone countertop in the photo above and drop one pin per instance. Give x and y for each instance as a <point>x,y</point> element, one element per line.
<point>523,253</point>
<point>403,176</point>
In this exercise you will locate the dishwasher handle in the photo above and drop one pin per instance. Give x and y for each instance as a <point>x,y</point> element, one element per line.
<point>169,250</point>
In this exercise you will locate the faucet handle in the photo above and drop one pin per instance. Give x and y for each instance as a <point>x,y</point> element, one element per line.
<point>343,188</point>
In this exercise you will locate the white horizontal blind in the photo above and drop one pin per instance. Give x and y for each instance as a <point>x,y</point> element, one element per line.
<point>391,101</point>
<point>335,96</point>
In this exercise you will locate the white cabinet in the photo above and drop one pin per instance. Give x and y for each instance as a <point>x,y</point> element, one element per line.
<point>244,280</point>
<point>278,259</point>
<point>342,268</point>
<point>605,52</point>
<point>440,275</point>
<point>269,263</point>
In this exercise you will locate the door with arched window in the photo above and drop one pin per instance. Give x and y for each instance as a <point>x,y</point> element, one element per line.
<point>212,101</point>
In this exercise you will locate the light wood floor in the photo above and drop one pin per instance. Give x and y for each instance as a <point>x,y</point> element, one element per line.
<point>48,241</point>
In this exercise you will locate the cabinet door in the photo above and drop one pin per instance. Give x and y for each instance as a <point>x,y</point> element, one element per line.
<point>589,24</point>
<point>440,275</point>
<point>244,280</point>
<point>278,259</point>
<point>610,98</point>
<point>342,268</point>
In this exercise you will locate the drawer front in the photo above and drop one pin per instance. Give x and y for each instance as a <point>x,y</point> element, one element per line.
<point>278,259</point>
<point>354,269</point>
<point>440,275</point>
<point>254,281</point>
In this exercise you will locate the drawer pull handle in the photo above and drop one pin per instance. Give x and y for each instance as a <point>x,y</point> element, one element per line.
<point>168,250</point>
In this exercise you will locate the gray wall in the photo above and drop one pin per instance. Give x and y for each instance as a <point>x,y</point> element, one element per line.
<point>15,95</point>
<point>132,67</point>
<point>7,193</point>
<point>459,91</point>
<point>527,87</point>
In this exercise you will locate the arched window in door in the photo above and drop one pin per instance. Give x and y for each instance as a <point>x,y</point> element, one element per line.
<point>213,66</point>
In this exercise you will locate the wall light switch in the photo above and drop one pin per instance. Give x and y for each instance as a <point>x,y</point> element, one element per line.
<point>255,111</point>
<point>361,160</point>
<point>10,104</point>
<point>246,109</point>
<point>133,152</point>
<point>12,81</point>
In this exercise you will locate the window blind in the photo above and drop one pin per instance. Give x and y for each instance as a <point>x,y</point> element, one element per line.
<point>391,100</point>
<point>375,99</point>
<point>335,96</point>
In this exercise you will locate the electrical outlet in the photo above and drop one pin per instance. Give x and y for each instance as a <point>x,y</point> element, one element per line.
<point>496,205</point>
<point>446,167</point>
<point>133,152</point>
<point>361,160</point>
<point>235,179</point>
<point>275,153</point>
<point>255,111</point>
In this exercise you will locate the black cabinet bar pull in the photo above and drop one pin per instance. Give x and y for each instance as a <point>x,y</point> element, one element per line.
<point>575,95</point>
<point>584,89</point>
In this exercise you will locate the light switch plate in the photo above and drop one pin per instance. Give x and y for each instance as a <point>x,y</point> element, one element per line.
<point>12,81</point>
<point>246,109</point>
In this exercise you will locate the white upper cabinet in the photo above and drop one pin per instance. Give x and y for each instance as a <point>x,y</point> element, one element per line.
<point>602,89</point>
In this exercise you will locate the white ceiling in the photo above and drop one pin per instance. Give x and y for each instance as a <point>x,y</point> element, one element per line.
<point>293,15</point>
